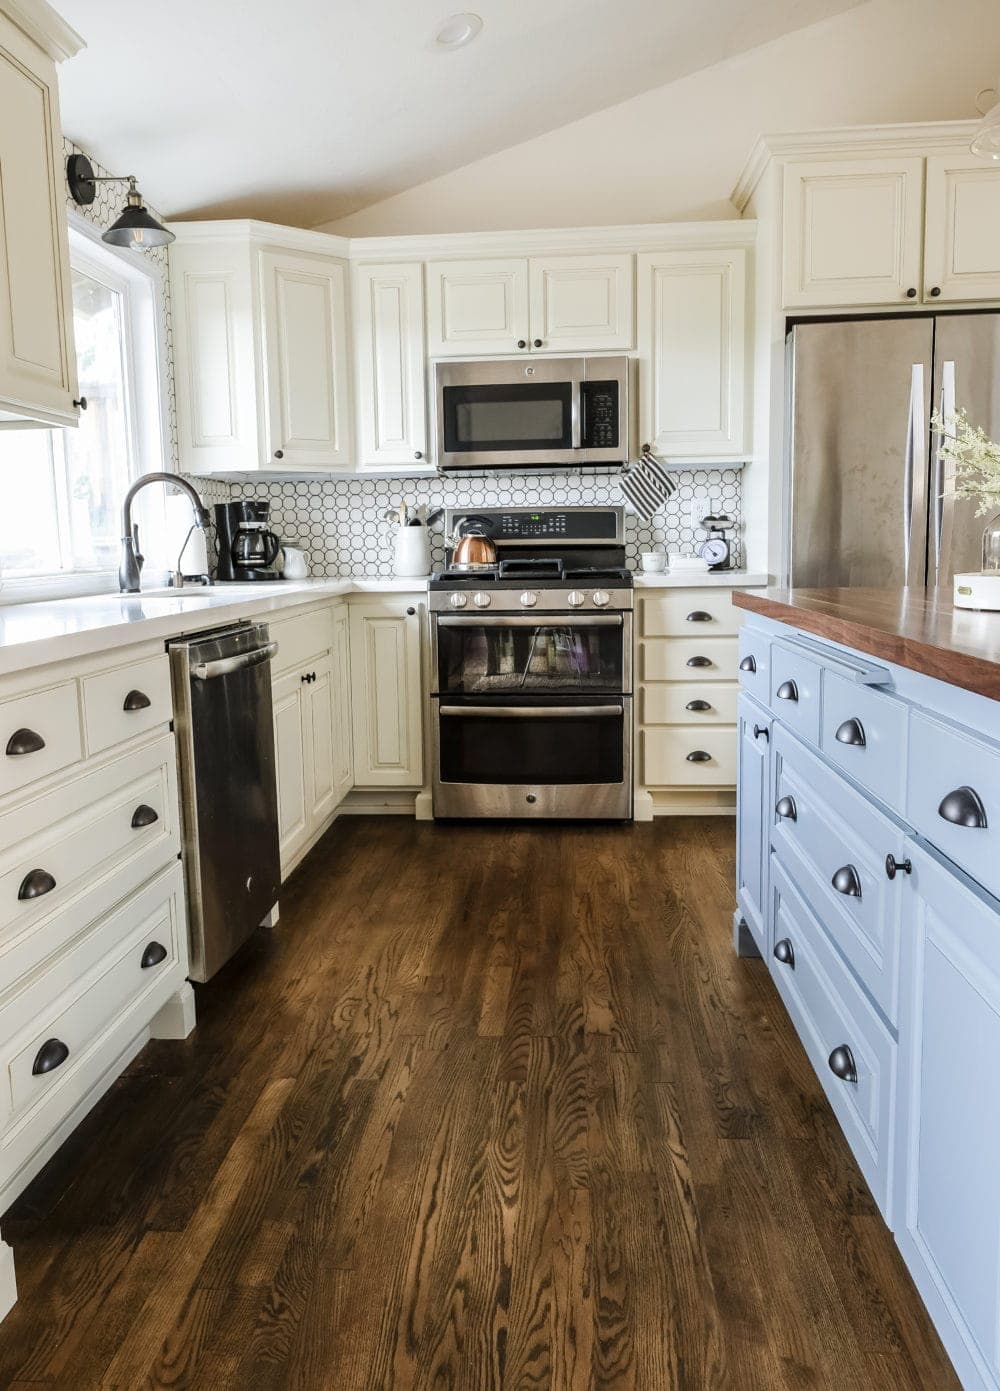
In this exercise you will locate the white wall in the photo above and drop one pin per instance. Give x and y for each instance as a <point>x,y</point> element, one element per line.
<point>675,152</point>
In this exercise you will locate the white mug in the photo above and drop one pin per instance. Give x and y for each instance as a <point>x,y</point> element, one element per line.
<point>653,562</point>
<point>293,563</point>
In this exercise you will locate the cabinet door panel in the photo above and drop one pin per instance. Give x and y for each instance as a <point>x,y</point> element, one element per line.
<point>581,303</point>
<point>290,751</point>
<point>948,1206</point>
<point>692,353</point>
<point>962,245</point>
<point>37,363</point>
<point>389,337</point>
<point>476,307</point>
<point>318,702</point>
<point>852,231</point>
<point>753,779</point>
<point>343,753</point>
<point>386,695</point>
<point>305,347</point>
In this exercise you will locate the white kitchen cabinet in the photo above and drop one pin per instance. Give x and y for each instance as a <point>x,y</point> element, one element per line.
<point>853,231</point>
<point>38,382</point>
<point>962,229</point>
<point>260,350</point>
<point>390,359</point>
<point>580,303</point>
<point>290,754</point>
<point>343,729</point>
<point>477,307</point>
<point>693,353</point>
<point>386,692</point>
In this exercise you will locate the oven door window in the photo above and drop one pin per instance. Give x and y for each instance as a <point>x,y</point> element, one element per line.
<point>497,657</point>
<point>519,416</point>
<point>515,745</point>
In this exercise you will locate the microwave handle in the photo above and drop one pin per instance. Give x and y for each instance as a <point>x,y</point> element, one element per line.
<point>575,424</point>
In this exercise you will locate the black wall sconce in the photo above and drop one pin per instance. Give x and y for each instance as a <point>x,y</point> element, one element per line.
<point>136,228</point>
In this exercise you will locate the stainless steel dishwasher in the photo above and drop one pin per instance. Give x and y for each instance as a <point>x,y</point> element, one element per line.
<point>225,736</point>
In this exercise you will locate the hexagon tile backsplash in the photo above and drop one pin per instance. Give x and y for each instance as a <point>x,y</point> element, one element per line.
<point>339,521</point>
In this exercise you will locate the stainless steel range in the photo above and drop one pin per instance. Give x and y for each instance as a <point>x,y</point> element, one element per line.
<point>532,668</point>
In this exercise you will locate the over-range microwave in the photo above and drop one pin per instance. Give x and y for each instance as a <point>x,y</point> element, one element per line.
<point>568,412</point>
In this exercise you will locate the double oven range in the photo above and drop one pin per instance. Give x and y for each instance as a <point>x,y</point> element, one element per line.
<point>532,668</point>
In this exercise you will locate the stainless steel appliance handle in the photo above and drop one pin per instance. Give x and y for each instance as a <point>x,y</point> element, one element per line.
<point>916,429</point>
<point>524,620</point>
<point>205,671</point>
<point>574,423</point>
<point>533,712</point>
<point>943,504</point>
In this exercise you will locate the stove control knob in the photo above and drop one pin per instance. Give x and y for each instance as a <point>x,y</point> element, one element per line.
<point>602,598</point>
<point>529,599</point>
<point>458,600</point>
<point>574,598</point>
<point>482,600</point>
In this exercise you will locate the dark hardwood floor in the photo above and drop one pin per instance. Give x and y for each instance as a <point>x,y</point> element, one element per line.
<point>495,1107</point>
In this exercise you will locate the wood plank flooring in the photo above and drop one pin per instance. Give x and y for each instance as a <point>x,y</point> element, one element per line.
<point>495,1107</point>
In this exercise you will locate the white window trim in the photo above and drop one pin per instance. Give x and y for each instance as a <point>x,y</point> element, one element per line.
<point>141,282</point>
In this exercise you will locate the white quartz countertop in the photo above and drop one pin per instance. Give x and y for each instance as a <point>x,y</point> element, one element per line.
<point>55,630</point>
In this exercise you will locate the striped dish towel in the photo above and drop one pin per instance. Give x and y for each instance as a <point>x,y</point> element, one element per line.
<point>646,485</point>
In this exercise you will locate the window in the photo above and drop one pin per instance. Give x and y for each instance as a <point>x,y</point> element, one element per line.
<point>63,489</point>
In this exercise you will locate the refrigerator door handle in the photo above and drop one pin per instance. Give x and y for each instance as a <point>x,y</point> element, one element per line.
<point>914,471</point>
<point>944,502</point>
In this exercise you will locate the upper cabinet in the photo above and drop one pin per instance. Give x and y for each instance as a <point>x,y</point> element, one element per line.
<point>37,359</point>
<point>550,304</point>
<point>693,353</point>
<point>261,350</point>
<point>390,365</point>
<point>962,237</point>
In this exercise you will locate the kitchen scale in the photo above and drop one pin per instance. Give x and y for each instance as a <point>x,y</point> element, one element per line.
<point>717,550</point>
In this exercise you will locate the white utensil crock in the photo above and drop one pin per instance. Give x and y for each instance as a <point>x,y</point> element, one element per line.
<point>413,552</point>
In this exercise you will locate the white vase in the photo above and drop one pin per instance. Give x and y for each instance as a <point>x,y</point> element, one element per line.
<point>413,552</point>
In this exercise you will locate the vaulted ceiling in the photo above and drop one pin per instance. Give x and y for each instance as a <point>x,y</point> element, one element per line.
<point>307,110</point>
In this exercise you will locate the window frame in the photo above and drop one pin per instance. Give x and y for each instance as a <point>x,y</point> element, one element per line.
<point>141,282</point>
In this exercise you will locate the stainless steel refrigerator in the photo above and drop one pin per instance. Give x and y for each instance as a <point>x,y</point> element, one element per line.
<point>870,503</point>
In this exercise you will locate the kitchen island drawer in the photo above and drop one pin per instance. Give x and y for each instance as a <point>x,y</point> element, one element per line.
<point>864,732</point>
<point>681,613</point>
<point>677,757</point>
<point>953,795</point>
<point>795,691</point>
<point>854,1055</point>
<point>690,704</point>
<point>40,734</point>
<point>754,664</point>
<point>689,659</point>
<point>834,842</point>
<point>131,700</point>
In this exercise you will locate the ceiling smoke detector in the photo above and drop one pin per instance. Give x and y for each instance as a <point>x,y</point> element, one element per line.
<point>456,31</point>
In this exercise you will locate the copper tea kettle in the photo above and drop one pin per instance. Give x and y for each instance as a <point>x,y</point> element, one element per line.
<point>472,550</point>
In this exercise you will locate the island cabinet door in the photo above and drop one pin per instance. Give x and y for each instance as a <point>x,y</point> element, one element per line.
<point>752,820</point>
<point>947,1218</point>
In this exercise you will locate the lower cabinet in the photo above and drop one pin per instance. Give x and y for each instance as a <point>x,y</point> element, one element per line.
<point>947,1217</point>
<point>753,768</point>
<point>386,692</point>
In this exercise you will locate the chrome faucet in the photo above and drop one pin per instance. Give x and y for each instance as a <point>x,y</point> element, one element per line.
<point>130,568</point>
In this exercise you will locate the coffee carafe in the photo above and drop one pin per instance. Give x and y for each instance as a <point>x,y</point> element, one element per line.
<point>246,547</point>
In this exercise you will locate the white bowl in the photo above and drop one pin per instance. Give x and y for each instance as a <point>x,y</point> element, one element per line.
<point>653,562</point>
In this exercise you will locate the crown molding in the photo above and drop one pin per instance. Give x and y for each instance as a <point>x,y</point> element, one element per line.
<point>45,27</point>
<point>848,142</point>
<point>261,233</point>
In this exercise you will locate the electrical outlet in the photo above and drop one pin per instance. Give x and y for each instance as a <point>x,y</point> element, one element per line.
<point>699,507</point>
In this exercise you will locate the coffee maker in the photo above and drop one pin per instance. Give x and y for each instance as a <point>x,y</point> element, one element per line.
<point>246,548</point>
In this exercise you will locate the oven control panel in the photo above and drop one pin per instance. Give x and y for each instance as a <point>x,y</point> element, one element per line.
<point>513,524</point>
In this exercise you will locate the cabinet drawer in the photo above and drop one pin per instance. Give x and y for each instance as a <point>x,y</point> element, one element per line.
<point>822,830</point>
<point>684,703</point>
<point>864,732</point>
<point>685,613</point>
<point>61,844</point>
<point>299,638</point>
<point>119,704</point>
<point>754,663</point>
<point>794,691</point>
<point>666,762</point>
<point>689,659</point>
<point>830,1012</point>
<point>951,772</point>
<point>93,988</point>
<point>40,733</point>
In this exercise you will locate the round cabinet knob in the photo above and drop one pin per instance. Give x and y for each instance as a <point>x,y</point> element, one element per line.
<point>574,598</point>
<point>410,612</point>
<point>602,598</point>
<point>521,343</point>
<point>935,291</point>
<point>279,453</point>
<point>81,403</point>
<point>537,343</point>
<point>911,293</point>
<point>894,867</point>
<point>418,453</point>
<point>482,600</point>
<point>529,599</point>
<point>458,601</point>
<point>760,729</point>
<point>842,1064</point>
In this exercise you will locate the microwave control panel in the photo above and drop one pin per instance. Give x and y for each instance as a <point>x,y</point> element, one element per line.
<point>599,403</point>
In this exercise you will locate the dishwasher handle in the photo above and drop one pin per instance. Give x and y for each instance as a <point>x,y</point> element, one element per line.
<point>224,666</point>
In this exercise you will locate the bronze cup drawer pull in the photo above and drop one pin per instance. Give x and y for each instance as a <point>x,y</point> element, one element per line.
<point>24,741</point>
<point>699,661</point>
<point>143,816</point>
<point>698,616</point>
<point>785,952</point>
<point>851,732</point>
<point>153,955</point>
<point>842,1064</point>
<point>699,756</point>
<point>698,705</point>
<point>964,807</point>
<point>846,880</point>
<point>785,807</point>
<point>748,664</point>
<point>788,690</point>
<point>35,884</point>
<point>52,1054</point>
<point>136,700</point>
